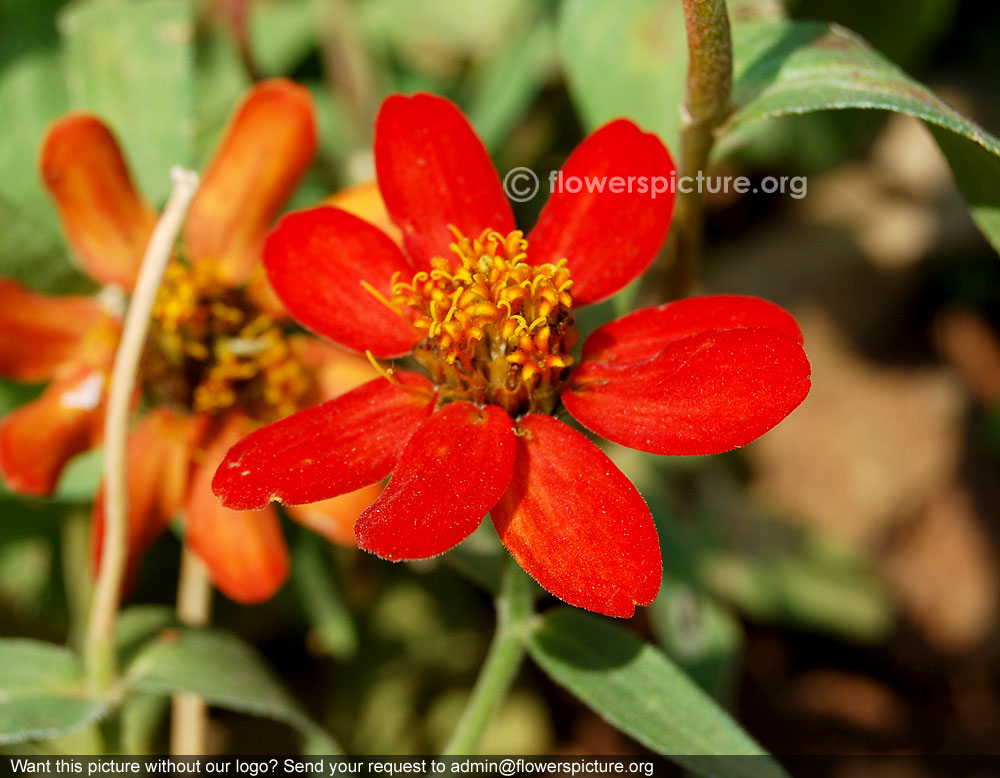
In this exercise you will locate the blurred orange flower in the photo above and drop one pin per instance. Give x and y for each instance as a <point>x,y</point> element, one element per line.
<point>217,363</point>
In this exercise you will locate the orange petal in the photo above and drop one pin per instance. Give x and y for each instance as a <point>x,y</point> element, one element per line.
<point>334,518</point>
<point>333,370</point>
<point>365,201</point>
<point>268,146</point>
<point>38,439</point>
<point>244,550</point>
<point>158,461</point>
<point>107,222</point>
<point>39,333</point>
<point>262,294</point>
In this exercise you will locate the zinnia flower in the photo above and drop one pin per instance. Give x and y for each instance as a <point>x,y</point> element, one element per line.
<point>489,315</point>
<point>217,362</point>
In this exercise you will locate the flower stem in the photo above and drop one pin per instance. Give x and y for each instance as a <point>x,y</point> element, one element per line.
<point>514,608</point>
<point>194,608</point>
<point>99,656</point>
<point>706,100</point>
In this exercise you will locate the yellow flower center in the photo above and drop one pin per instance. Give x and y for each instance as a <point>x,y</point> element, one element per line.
<point>499,330</point>
<point>211,348</point>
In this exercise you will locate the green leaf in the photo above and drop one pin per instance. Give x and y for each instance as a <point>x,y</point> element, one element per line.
<point>812,585</point>
<point>626,59</point>
<point>219,83</point>
<point>282,34</point>
<point>504,86</point>
<point>132,63</point>
<point>32,88</point>
<point>641,692</point>
<point>225,671</point>
<point>703,637</point>
<point>785,68</point>
<point>41,692</point>
<point>322,598</point>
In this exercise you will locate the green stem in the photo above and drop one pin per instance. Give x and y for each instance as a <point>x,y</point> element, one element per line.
<point>514,608</point>
<point>99,651</point>
<point>706,100</point>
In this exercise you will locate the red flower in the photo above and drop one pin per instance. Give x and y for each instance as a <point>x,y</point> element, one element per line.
<point>217,362</point>
<point>493,328</point>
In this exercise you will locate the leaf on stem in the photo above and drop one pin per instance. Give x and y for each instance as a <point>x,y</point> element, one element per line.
<point>42,692</point>
<point>636,688</point>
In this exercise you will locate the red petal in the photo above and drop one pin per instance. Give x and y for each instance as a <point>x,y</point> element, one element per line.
<point>434,172</point>
<point>158,459</point>
<point>334,518</point>
<point>702,394</point>
<point>575,523</point>
<point>644,333</point>
<point>333,448</point>
<point>38,439</point>
<point>316,261</point>
<point>244,551</point>
<point>265,152</point>
<point>105,219</point>
<point>451,472</point>
<point>607,238</point>
<point>39,333</point>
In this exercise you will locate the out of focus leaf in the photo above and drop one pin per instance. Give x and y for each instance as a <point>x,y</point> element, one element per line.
<point>905,31</point>
<point>322,597</point>
<point>225,671</point>
<point>626,59</point>
<point>132,63</point>
<point>141,715</point>
<point>42,692</point>
<point>785,68</point>
<point>698,633</point>
<point>428,30</point>
<point>139,624</point>
<point>504,86</point>
<point>31,248</point>
<point>480,557</point>
<point>815,587</point>
<point>32,94</point>
<point>776,572</point>
<point>641,692</point>
<point>25,566</point>
<point>282,33</point>
<point>79,481</point>
<point>220,80</point>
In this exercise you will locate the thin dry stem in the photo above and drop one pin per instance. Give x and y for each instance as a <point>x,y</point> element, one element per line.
<point>194,607</point>
<point>99,645</point>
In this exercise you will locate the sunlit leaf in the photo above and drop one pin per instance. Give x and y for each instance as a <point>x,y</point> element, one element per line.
<point>635,687</point>
<point>785,68</point>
